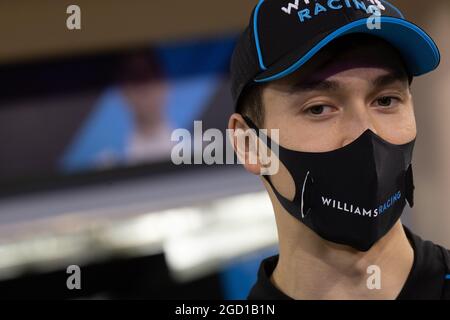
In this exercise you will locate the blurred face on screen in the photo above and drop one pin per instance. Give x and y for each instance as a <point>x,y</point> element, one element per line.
<point>145,89</point>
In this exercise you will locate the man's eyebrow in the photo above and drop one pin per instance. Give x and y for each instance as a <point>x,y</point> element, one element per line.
<point>390,78</point>
<point>331,85</point>
<point>316,85</point>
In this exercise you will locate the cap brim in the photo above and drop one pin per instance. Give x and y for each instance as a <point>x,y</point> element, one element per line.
<point>420,53</point>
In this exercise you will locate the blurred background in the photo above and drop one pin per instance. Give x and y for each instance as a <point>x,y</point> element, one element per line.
<point>86,118</point>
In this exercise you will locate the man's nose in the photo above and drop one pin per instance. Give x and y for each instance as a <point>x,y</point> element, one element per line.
<point>356,121</point>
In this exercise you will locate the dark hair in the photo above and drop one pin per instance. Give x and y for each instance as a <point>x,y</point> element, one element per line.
<point>251,105</point>
<point>139,65</point>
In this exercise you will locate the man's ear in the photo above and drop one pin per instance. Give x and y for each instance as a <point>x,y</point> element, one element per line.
<point>245,143</point>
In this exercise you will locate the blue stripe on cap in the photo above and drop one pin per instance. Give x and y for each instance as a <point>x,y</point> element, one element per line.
<point>255,32</point>
<point>348,29</point>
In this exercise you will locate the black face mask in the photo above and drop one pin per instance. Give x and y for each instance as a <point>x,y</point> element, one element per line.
<point>353,195</point>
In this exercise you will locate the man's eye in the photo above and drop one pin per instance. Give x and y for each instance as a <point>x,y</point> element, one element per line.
<point>318,110</point>
<point>386,102</point>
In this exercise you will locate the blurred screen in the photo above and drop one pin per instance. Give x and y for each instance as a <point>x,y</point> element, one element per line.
<point>109,111</point>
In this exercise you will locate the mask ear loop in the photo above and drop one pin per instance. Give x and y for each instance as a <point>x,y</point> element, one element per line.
<point>268,142</point>
<point>281,198</point>
<point>303,197</point>
<point>409,184</point>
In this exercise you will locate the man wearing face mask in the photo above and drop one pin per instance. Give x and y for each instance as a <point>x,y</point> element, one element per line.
<point>334,77</point>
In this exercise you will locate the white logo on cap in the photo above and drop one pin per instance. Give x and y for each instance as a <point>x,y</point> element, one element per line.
<point>334,4</point>
<point>378,4</point>
<point>294,5</point>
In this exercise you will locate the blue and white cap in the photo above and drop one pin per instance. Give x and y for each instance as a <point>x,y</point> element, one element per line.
<point>285,34</point>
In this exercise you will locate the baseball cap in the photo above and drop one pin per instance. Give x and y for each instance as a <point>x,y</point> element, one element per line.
<point>283,35</point>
